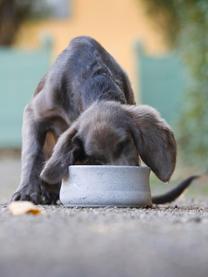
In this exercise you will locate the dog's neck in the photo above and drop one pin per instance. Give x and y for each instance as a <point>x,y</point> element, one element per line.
<point>97,91</point>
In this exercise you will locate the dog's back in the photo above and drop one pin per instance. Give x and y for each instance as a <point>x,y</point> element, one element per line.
<point>82,74</point>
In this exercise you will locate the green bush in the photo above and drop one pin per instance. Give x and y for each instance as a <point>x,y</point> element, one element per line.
<point>13,13</point>
<point>185,24</point>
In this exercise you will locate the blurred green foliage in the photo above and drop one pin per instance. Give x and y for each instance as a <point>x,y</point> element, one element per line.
<point>185,24</point>
<point>14,12</point>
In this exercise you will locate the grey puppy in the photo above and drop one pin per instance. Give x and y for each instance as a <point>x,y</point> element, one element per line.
<point>86,104</point>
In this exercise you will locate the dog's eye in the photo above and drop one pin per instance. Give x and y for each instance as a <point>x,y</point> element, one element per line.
<point>78,146</point>
<point>77,140</point>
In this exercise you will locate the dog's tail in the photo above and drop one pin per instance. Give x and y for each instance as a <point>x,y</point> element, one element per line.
<point>171,195</point>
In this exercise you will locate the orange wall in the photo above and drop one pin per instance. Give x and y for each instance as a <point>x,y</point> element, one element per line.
<point>116,24</point>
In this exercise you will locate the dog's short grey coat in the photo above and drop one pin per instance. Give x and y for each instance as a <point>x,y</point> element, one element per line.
<point>86,103</point>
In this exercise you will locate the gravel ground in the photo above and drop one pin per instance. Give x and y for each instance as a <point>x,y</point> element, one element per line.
<point>164,241</point>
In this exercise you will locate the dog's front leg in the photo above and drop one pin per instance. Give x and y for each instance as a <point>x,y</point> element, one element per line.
<point>33,136</point>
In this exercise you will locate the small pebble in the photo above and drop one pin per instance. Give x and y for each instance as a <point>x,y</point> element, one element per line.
<point>196,219</point>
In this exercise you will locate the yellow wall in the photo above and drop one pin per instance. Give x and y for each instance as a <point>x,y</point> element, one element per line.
<point>116,24</point>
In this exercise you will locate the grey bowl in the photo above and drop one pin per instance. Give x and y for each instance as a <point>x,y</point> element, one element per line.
<point>99,186</point>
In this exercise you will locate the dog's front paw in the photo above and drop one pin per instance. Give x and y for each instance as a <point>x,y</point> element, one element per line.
<point>28,193</point>
<point>38,194</point>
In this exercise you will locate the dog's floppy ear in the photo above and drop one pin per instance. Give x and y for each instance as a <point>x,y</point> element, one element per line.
<point>65,153</point>
<point>154,140</point>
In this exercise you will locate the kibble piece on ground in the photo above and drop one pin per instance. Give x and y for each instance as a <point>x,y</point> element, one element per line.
<point>23,207</point>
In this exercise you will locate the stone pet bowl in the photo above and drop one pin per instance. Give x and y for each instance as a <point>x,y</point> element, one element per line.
<point>100,186</point>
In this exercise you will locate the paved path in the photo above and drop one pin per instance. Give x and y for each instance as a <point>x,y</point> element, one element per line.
<point>114,242</point>
<point>166,241</point>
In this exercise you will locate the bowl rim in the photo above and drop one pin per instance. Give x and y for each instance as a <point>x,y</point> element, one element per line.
<point>142,167</point>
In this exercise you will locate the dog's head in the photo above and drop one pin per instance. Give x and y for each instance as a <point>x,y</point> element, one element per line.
<point>114,134</point>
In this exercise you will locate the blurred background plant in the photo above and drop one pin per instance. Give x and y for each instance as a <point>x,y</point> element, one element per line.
<point>14,13</point>
<point>185,24</point>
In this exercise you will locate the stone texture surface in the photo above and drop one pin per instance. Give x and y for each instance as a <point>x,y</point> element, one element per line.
<point>165,241</point>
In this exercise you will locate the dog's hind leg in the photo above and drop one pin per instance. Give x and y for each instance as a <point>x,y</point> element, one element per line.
<point>50,193</point>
